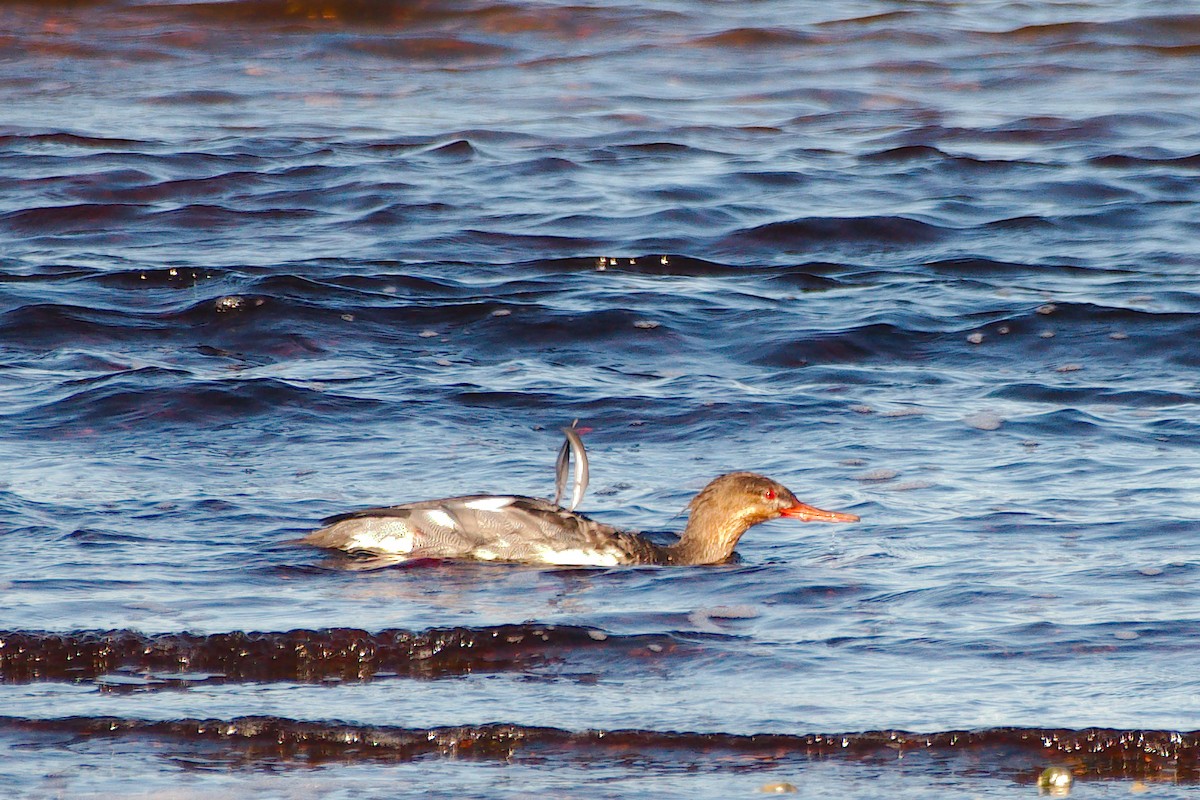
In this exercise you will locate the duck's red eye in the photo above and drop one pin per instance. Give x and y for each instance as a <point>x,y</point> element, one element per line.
<point>769,494</point>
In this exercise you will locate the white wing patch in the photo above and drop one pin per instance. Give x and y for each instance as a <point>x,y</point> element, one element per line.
<point>389,543</point>
<point>489,503</point>
<point>440,517</point>
<point>578,557</point>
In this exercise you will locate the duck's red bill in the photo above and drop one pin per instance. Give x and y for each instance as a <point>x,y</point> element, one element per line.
<point>807,513</point>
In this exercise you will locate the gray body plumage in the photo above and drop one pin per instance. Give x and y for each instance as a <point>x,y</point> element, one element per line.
<point>485,528</point>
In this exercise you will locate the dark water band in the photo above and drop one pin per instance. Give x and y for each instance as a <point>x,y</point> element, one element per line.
<point>1012,753</point>
<point>308,655</point>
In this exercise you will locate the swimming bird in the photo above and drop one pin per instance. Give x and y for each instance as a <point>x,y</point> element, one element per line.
<point>529,530</point>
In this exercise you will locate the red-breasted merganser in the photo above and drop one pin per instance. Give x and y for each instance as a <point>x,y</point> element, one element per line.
<point>533,531</point>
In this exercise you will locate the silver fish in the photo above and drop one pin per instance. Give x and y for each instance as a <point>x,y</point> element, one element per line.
<point>572,446</point>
